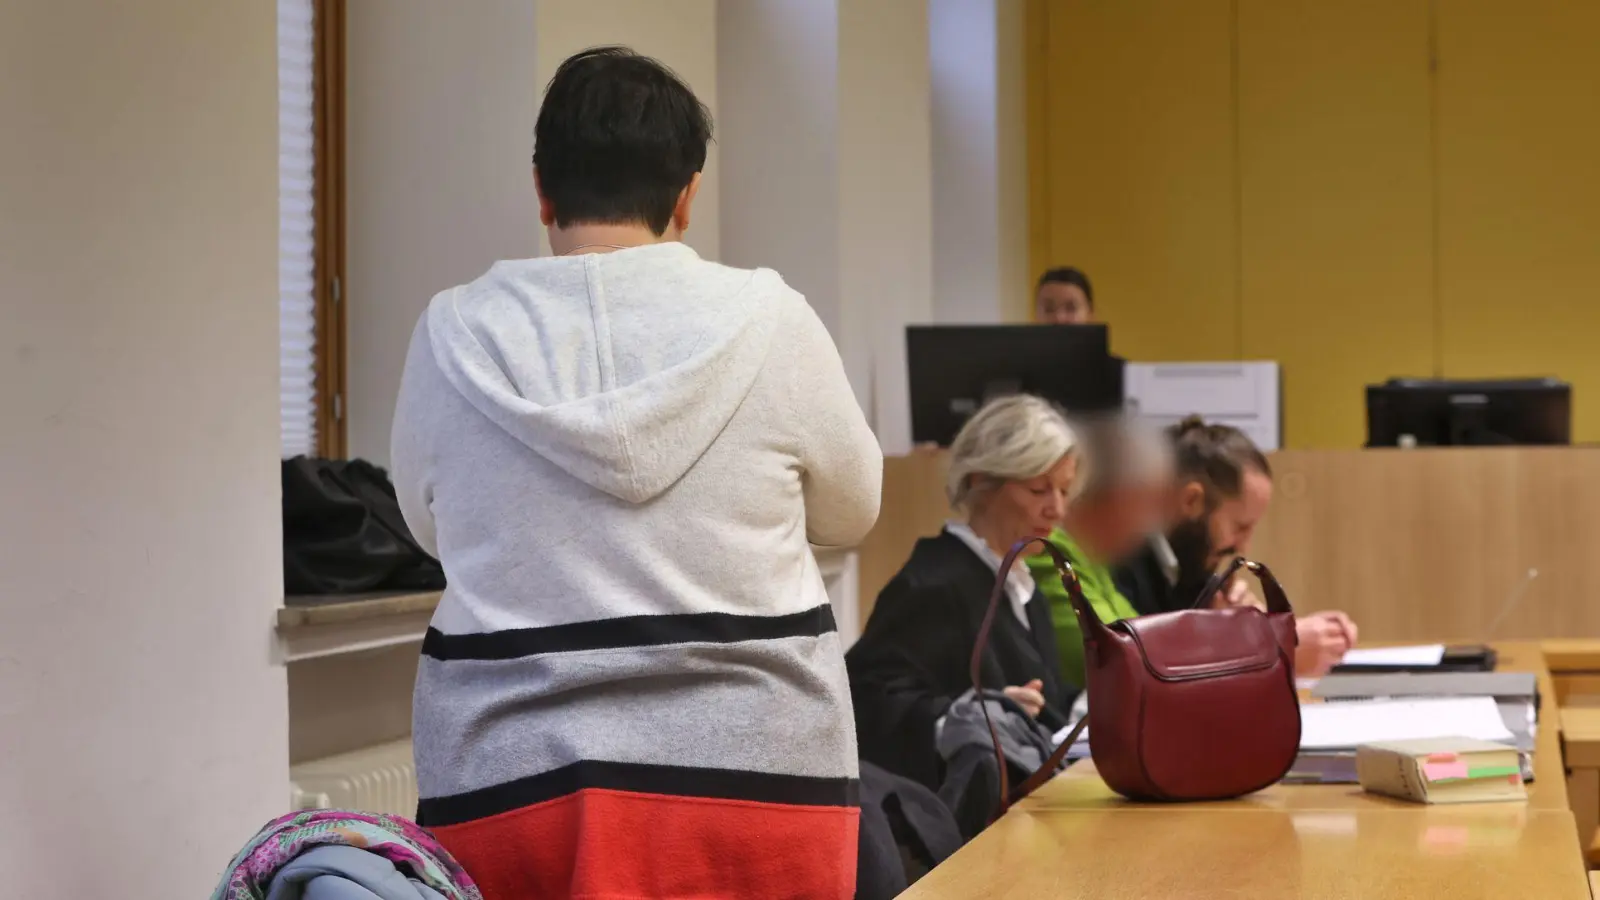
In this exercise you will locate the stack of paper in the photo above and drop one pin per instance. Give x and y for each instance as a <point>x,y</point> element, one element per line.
<point>1515,693</point>
<point>1419,655</point>
<point>1347,725</point>
<point>1080,746</point>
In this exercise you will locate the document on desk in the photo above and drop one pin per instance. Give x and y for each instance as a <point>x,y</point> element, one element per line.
<point>1417,655</point>
<point>1348,724</point>
<point>1080,747</point>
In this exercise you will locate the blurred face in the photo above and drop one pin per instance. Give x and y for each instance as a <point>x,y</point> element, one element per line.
<point>1018,510</point>
<point>1063,304</point>
<point>1114,525</point>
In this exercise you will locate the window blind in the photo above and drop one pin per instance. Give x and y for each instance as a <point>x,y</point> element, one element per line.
<point>297,291</point>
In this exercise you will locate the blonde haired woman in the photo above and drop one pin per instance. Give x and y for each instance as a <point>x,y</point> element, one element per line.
<point>1012,470</point>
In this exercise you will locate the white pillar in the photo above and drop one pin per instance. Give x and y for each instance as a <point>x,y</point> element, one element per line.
<point>143,730</point>
<point>980,161</point>
<point>827,172</point>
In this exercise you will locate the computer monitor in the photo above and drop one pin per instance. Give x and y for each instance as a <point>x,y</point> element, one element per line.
<point>1408,411</point>
<point>955,369</point>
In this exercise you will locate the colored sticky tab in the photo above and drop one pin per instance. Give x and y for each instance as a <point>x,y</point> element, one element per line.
<point>1442,757</point>
<point>1493,771</point>
<point>1444,771</point>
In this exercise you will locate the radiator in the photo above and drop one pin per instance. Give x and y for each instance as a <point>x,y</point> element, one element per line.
<point>381,779</point>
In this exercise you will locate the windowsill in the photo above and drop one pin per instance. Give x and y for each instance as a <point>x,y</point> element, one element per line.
<point>315,626</point>
<point>309,610</point>
<point>310,627</point>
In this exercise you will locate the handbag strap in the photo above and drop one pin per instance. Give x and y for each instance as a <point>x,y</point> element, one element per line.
<point>1277,600</point>
<point>1092,627</point>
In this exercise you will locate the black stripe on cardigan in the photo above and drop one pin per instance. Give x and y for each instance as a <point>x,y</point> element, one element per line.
<point>628,631</point>
<point>640,778</point>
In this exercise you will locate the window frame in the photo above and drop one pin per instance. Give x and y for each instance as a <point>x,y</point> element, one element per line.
<point>328,149</point>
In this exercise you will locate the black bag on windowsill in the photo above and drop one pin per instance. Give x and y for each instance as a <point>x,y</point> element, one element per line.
<point>343,532</point>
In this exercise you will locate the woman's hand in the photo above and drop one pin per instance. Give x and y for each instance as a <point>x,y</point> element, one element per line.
<point>1029,697</point>
<point>1324,638</point>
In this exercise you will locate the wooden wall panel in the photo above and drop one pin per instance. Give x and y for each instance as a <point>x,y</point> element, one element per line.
<point>1336,203</point>
<point>1418,545</point>
<point>914,506</point>
<point>1137,100</point>
<point>1358,189</point>
<point>1519,175</point>
<point>1431,544</point>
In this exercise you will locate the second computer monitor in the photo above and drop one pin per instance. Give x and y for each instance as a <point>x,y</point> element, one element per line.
<point>1443,413</point>
<point>954,369</point>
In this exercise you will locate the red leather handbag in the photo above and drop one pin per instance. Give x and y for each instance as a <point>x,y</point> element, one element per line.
<point>1198,704</point>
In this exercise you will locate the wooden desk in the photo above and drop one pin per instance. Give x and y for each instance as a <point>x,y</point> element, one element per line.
<point>1490,851</point>
<point>1575,665</point>
<point>1580,733</point>
<point>1080,787</point>
<point>1075,838</point>
<point>1575,668</point>
<point>1571,655</point>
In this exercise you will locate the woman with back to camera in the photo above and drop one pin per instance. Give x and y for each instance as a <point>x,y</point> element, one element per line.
<point>1012,469</point>
<point>633,686</point>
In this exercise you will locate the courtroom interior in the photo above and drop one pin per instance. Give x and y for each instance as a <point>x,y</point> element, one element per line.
<point>609,449</point>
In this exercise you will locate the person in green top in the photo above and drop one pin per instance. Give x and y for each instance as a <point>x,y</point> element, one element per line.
<point>1126,472</point>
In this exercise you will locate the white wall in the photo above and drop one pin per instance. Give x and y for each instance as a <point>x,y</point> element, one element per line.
<point>980,161</point>
<point>778,86</point>
<point>886,181</point>
<point>142,719</point>
<point>1011,134</point>
<point>440,103</point>
<point>826,167</point>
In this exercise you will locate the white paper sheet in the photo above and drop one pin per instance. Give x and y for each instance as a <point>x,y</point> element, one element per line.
<point>1417,655</point>
<point>1058,737</point>
<point>1332,726</point>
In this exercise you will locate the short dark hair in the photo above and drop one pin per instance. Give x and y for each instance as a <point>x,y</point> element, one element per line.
<point>1216,456</point>
<point>1067,275</point>
<point>619,137</point>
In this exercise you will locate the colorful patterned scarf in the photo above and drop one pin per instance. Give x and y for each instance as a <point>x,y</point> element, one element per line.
<point>400,841</point>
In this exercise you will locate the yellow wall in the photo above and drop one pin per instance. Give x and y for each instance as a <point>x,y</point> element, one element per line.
<point>1146,167</point>
<point>1357,189</point>
<point>1519,193</point>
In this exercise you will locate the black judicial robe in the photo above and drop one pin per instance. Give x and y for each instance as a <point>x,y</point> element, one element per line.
<point>913,658</point>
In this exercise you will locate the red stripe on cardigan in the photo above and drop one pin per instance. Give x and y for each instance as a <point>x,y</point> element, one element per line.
<point>614,845</point>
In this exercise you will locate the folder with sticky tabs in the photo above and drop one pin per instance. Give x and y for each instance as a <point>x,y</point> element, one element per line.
<point>1442,770</point>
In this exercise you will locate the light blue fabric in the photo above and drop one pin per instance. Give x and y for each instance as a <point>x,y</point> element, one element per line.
<point>345,873</point>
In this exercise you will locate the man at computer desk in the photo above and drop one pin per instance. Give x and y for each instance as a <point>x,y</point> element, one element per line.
<point>1223,488</point>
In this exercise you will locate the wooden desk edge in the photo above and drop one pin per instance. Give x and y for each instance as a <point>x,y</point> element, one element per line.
<point>1571,654</point>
